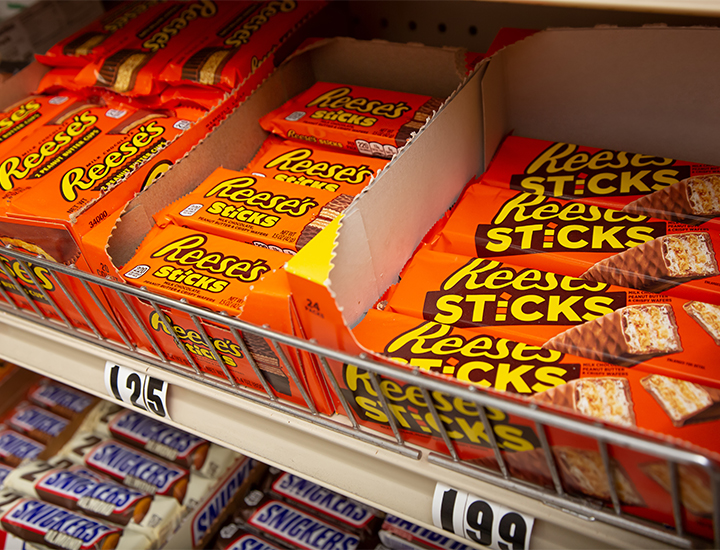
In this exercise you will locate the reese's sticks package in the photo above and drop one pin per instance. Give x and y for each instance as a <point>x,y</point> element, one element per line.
<point>586,241</point>
<point>256,210</point>
<point>225,57</point>
<point>361,120</point>
<point>652,333</point>
<point>224,276</point>
<point>317,167</point>
<point>639,184</point>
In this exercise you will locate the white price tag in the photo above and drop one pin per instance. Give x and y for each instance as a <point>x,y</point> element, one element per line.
<point>137,389</point>
<point>480,520</point>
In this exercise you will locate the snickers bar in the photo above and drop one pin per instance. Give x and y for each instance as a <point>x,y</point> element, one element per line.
<point>99,498</point>
<point>340,510</point>
<point>15,447</point>
<point>43,523</point>
<point>36,422</point>
<point>130,466</point>
<point>280,522</point>
<point>60,399</point>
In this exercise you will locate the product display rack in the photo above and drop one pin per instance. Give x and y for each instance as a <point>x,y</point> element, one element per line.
<point>381,471</point>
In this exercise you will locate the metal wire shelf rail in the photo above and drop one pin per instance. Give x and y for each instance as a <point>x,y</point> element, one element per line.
<point>19,270</point>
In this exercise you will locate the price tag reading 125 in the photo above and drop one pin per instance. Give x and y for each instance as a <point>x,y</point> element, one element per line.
<point>480,520</point>
<point>137,389</point>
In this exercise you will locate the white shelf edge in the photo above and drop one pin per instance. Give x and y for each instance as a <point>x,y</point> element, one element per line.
<point>397,484</point>
<point>679,7</point>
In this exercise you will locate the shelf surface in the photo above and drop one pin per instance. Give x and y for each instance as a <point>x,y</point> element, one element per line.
<point>397,484</point>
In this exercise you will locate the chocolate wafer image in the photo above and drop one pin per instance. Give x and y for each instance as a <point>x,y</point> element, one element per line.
<point>84,44</point>
<point>419,119</point>
<point>659,264</point>
<point>267,362</point>
<point>605,398</point>
<point>582,471</point>
<point>327,214</point>
<point>624,337</point>
<point>684,402</point>
<point>692,201</point>
<point>206,65</point>
<point>707,316</point>
<point>120,70</point>
<point>695,486</point>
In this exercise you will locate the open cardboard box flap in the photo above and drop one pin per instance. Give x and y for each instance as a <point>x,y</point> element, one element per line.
<point>379,64</point>
<point>649,90</point>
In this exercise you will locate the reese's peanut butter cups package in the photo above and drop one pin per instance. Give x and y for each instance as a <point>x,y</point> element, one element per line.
<point>112,31</point>
<point>317,167</point>
<point>132,67</point>
<point>361,120</point>
<point>256,210</point>
<point>639,184</point>
<point>234,50</point>
<point>652,333</point>
<point>581,240</point>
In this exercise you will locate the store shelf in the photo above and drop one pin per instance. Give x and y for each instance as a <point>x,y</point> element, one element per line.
<point>398,484</point>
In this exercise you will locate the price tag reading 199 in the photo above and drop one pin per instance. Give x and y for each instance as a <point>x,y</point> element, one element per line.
<point>480,520</point>
<point>137,389</point>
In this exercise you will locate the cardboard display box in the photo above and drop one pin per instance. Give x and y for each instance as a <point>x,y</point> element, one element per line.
<point>408,68</point>
<point>648,90</point>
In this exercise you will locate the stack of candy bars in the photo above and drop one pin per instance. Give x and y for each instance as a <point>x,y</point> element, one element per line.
<point>224,245</point>
<point>584,280</point>
<point>120,102</point>
<point>81,471</point>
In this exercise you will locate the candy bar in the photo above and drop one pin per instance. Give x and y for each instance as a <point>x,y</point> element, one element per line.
<point>707,316</point>
<point>128,465</point>
<point>98,498</point>
<point>695,487</point>
<point>233,537</point>
<point>684,402</point>
<point>366,120</point>
<point>399,534</point>
<point>334,507</point>
<point>287,525</point>
<point>693,201</point>
<point>15,448</point>
<point>625,337</point>
<point>60,399</point>
<point>36,422</point>
<point>659,264</point>
<point>607,398</point>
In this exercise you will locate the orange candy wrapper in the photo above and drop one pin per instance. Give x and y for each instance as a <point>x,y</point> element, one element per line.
<point>652,333</point>
<point>132,68</point>
<point>226,57</point>
<point>361,120</point>
<point>222,275</point>
<point>634,183</point>
<point>108,33</point>
<point>255,210</point>
<point>292,162</point>
<point>577,386</point>
<point>590,242</point>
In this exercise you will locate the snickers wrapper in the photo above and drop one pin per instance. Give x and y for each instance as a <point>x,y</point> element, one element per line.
<point>628,336</point>
<point>16,448</point>
<point>684,402</point>
<point>39,522</point>
<point>60,399</point>
<point>233,537</point>
<point>103,499</point>
<point>128,465</point>
<point>338,509</point>
<point>275,520</point>
<point>36,422</point>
